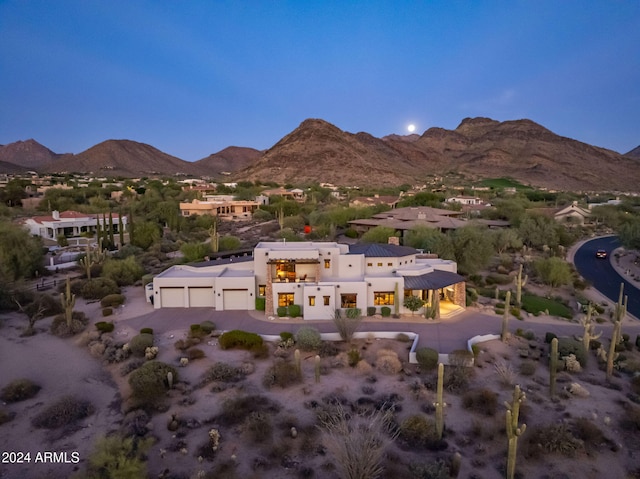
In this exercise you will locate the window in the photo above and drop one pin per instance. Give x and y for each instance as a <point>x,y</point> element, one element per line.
<point>312,300</point>
<point>379,264</point>
<point>348,300</point>
<point>327,300</point>
<point>389,264</point>
<point>262,290</point>
<point>286,270</point>
<point>285,299</point>
<point>327,263</point>
<point>384,298</point>
<point>369,264</point>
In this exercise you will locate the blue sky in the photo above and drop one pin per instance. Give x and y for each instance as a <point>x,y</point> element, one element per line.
<point>193,77</point>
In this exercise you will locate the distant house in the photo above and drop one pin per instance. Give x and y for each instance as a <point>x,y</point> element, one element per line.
<point>466,200</point>
<point>71,224</point>
<point>376,200</point>
<point>294,194</point>
<point>224,208</point>
<point>405,219</point>
<point>572,213</point>
<point>320,277</point>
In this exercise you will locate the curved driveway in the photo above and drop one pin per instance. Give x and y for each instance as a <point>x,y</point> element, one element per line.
<point>602,275</point>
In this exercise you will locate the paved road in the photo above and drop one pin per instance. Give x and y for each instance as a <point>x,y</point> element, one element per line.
<point>602,275</point>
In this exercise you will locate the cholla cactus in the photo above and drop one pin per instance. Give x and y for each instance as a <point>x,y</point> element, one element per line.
<point>151,352</point>
<point>68,301</point>
<point>589,332</point>
<point>214,439</point>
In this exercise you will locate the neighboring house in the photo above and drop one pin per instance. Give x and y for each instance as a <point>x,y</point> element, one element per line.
<point>466,200</point>
<point>71,224</point>
<point>405,219</point>
<point>391,201</point>
<point>227,209</point>
<point>615,202</point>
<point>573,213</point>
<point>294,194</point>
<point>320,277</point>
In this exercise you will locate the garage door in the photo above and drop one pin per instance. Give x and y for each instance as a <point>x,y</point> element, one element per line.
<point>235,298</point>
<point>172,297</point>
<point>201,297</point>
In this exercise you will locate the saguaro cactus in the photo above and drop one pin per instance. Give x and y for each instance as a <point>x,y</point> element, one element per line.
<point>280,217</point>
<point>68,301</point>
<point>553,366</point>
<point>620,312</point>
<point>317,368</point>
<point>440,404</point>
<point>589,332</point>
<point>520,283</point>
<point>296,356</point>
<point>513,431</point>
<point>215,236</point>
<point>505,318</point>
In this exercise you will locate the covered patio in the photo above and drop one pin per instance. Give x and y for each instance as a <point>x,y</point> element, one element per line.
<point>442,290</point>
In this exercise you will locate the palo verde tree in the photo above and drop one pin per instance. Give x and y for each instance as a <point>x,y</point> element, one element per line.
<point>20,253</point>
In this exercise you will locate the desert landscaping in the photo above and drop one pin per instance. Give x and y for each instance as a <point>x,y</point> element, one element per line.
<point>256,413</point>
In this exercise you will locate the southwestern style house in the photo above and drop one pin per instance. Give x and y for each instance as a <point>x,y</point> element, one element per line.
<point>320,277</point>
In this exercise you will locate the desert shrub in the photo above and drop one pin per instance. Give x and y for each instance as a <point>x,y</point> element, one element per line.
<point>60,328</point>
<point>131,366</point>
<point>260,351</point>
<point>385,311</point>
<point>308,338</point>
<point>403,338</point>
<point>259,427</point>
<point>567,346</point>
<point>107,312</point>
<point>548,337</point>
<point>497,278</point>
<point>98,288</point>
<point>112,300</point>
<point>528,368</point>
<point>124,271</point>
<point>294,310</point>
<point>594,345</point>
<point>261,304</point>
<point>588,432</point>
<point>553,438</point>
<point>208,326</point>
<point>195,353</point>
<point>282,374</point>
<point>149,382</point>
<point>371,310</point>
<point>65,411</point>
<point>482,401</point>
<point>105,327</point>
<point>19,390</point>
<point>286,336</point>
<point>184,344</point>
<point>353,357</point>
<point>389,364</point>
<point>328,349</point>
<point>118,457</point>
<point>418,431</point>
<point>140,343</point>
<point>146,331</point>
<point>237,409</point>
<point>506,374</point>
<point>6,416</point>
<point>222,372</point>
<point>237,338</point>
<point>456,378</point>
<point>427,358</point>
<point>281,311</point>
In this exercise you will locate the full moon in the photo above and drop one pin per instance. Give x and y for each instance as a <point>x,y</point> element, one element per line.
<point>411,128</point>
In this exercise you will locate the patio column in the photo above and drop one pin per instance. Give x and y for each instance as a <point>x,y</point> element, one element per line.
<point>459,294</point>
<point>268,294</point>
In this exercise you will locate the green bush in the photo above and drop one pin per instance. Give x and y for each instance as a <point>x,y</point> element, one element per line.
<point>112,300</point>
<point>19,390</point>
<point>286,335</point>
<point>385,311</point>
<point>140,343</point>
<point>548,337</point>
<point>308,338</point>
<point>222,372</point>
<point>261,304</point>
<point>149,382</point>
<point>64,412</point>
<point>418,431</point>
<point>351,233</point>
<point>123,271</point>
<point>497,278</point>
<point>98,288</point>
<point>240,339</point>
<point>427,358</point>
<point>281,374</point>
<point>294,310</point>
<point>482,401</point>
<point>60,328</point>
<point>105,327</point>
<point>107,312</point>
<point>281,311</point>
<point>195,353</point>
<point>371,310</point>
<point>567,346</point>
<point>207,326</point>
<point>196,331</point>
<point>528,368</point>
<point>353,357</point>
<point>146,331</point>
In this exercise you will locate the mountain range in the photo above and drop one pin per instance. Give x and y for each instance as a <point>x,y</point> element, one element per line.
<point>317,151</point>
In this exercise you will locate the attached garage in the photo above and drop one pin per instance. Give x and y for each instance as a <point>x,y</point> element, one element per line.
<point>201,297</point>
<point>236,299</point>
<point>172,297</point>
